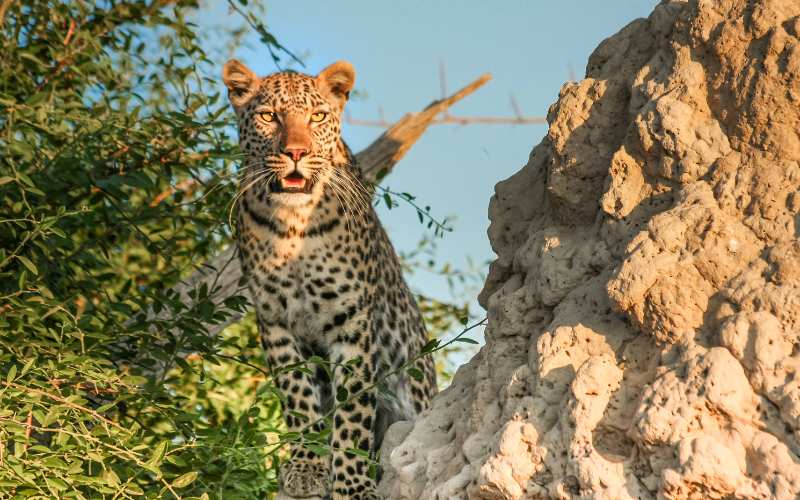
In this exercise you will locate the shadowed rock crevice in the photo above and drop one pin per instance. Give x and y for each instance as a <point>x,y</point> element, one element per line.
<point>644,306</point>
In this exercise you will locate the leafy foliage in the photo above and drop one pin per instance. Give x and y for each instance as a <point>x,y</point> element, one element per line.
<point>116,178</point>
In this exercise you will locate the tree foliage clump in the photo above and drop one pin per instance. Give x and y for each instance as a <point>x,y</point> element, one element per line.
<point>116,178</point>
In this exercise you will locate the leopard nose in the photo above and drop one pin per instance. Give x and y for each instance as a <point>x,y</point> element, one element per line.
<point>295,153</point>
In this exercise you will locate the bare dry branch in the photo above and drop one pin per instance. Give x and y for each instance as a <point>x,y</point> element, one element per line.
<point>3,9</point>
<point>458,120</point>
<point>70,32</point>
<point>379,157</point>
<point>444,117</point>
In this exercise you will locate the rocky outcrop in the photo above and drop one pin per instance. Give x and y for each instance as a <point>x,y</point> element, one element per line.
<point>644,307</point>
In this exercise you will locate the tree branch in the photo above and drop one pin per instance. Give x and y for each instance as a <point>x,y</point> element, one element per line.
<point>458,120</point>
<point>3,9</point>
<point>377,159</point>
<point>444,116</point>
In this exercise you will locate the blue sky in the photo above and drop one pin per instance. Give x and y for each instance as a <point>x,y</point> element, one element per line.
<point>530,47</point>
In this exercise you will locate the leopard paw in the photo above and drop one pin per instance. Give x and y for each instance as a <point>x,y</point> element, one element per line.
<point>357,492</point>
<point>281,496</point>
<point>362,495</point>
<point>367,495</point>
<point>304,478</point>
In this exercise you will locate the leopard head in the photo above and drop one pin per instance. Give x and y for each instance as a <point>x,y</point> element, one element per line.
<point>290,129</point>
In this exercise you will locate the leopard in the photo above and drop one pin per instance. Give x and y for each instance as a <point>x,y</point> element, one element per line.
<point>325,280</point>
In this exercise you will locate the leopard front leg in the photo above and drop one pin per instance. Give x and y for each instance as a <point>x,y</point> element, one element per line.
<point>305,474</point>
<point>354,376</point>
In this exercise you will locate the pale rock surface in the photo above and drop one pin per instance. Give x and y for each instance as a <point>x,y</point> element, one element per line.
<point>644,308</point>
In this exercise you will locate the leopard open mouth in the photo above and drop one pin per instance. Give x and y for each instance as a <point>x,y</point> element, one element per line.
<point>292,183</point>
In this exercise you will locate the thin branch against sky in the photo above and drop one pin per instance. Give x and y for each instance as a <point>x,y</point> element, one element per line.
<point>446,117</point>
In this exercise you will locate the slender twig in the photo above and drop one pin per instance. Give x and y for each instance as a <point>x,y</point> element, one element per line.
<point>441,226</point>
<point>28,429</point>
<point>266,37</point>
<point>70,32</point>
<point>457,120</point>
<point>65,402</point>
<point>444,117</point>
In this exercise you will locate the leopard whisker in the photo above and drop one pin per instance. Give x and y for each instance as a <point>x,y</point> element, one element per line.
<point>358,197</point>
<point>344,197</point>
<point>241,192</point>
<point>348,199</point>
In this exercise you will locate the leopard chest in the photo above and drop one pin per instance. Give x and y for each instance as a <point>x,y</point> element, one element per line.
<point>308,284</point>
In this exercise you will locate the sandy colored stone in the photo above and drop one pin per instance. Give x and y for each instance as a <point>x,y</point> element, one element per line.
<point>644,307</point>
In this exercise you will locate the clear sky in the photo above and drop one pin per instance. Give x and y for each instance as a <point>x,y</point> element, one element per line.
<point>530,47</point>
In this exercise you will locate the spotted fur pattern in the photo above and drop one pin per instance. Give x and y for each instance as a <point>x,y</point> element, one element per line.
<point>324,277</point>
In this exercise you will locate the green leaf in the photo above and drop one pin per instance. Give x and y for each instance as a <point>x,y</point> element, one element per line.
<point>430,346</point>
<point>356,451</point>
<point>36,99</point>
<point>27,263</point>
<point>25,179</point>
<point>467,340</point>
<point>342,394</point>
<point>104,408</point>
<point>316,360</point>
<point>184,480</point>
<point>56,483</point>
<point>157,457</point>
<point>134,489</point>
<point>176,460</point>
<point>319,450</point>
<point>27,55</point>
<point>111,477</point>
<point>415,373</point>
<point>28,365</point>
<point>11,373</point>
<point>55,463</point>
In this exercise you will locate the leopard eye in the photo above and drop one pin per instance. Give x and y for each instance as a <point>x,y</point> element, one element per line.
<point>318,116</point>
<point>267,116</point>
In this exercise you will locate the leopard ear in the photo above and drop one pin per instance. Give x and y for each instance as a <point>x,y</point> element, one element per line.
<point>336,81</point>
<point>240,80</point>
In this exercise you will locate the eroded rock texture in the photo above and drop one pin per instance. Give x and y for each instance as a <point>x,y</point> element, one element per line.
<point>644,307</point>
